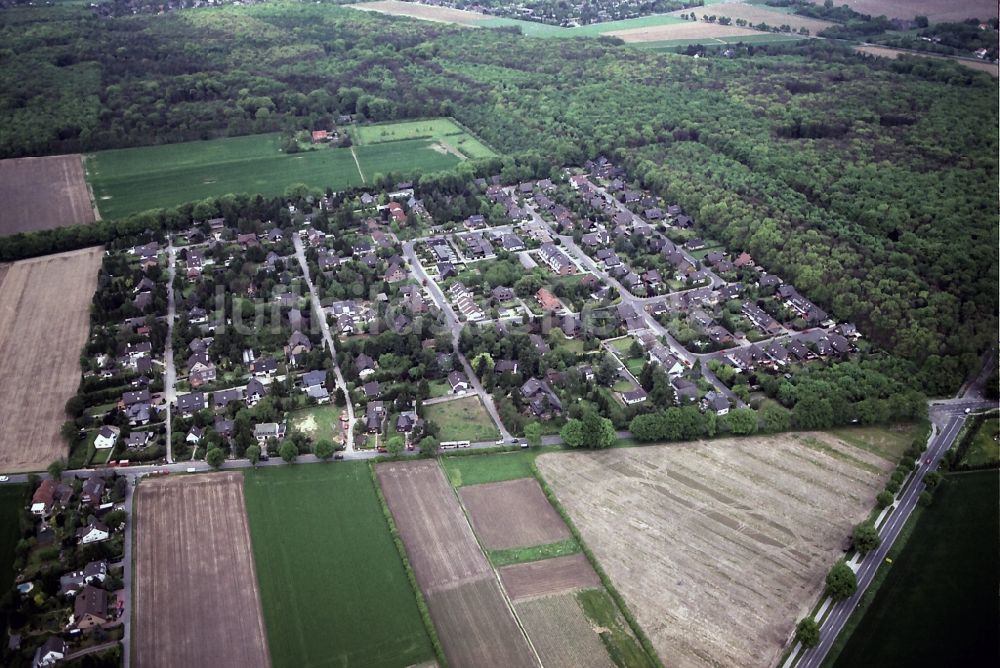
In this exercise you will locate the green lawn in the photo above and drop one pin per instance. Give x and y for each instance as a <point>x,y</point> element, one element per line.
<point>622,345</point>
<point>332,584</point>
<point>618,639</point>
<point>635,365</point>
<point>136,179</point>
<point>938,603</point>
<point>479,469</point>
<point>462,420</point>
<point>520,555</point>
<point>12,499</point>
<point>985,448</point>
<point>574,346</point>
<point>437,129</point>
<point>317,422</point>
<point>439,388</point>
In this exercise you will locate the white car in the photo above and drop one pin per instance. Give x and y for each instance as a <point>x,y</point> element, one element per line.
<point>4,478</point>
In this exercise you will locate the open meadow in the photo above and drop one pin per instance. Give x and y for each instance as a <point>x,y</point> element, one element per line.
<point>44,320</point>
<point>443,131</point>
<point>690,30</point>
<point>470,611</point>
<point>938,603</point>
<point>43,193</point>
<point>718,547</point>
<point>130,180</point>
<point>195,590</point>
<point>332,583</point>
<point>462,419</point>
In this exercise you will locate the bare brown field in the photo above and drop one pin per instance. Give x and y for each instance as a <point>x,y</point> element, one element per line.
<point>562,634</point>
<point>936,11</point>
<point>514,513</point>
<point>44,319</point>
<point>43,193</point>
<point>196,597</point>
<point>756,14</point>
<point>425,12</point>
<point>720,547</point>
<point>692,30</point>
<point>477,628</point>
<point>549,576</point>
<point>442,548</point>
<point>473,618</point>
<point>886,52</point>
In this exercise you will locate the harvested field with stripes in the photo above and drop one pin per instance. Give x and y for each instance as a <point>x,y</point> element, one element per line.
<point>718,548</point>
<point>535,579</point>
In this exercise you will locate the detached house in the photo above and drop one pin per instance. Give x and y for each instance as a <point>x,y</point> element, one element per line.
<point>90,608</point>
<point>95,532</point>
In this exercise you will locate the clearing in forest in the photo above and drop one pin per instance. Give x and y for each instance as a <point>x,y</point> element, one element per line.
<point>43,193</point>
<point>718,547</point>
<point>44,320</point>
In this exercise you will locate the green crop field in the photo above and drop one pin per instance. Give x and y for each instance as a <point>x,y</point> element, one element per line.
<point>130,180</point>
<point>11,504</point>
<point>332,584</point>
<point>938,603</point>
<point>462,420</point>
<point>478,469</point>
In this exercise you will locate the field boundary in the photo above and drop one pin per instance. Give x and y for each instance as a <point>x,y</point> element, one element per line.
<point>358,165</point>
<point>644,641</point>
<point>493,569</point>
<point>425,614</point>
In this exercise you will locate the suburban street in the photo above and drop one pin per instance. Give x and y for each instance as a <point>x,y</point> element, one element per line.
<point>325,328</point>
<point>170,371</point>
<point>455,328</point>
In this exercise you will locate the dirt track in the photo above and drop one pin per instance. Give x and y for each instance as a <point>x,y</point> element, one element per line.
<point>196,597</point>
<point>718,548</point>
<point>44,318</point>
<point>43,193</point>
<point>549,576</point>
<point>514,513</point>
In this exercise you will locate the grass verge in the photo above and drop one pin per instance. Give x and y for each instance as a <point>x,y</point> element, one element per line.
<point>520,555</point>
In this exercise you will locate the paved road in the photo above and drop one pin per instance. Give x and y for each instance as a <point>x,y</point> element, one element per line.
<point>456,329</point>
<point>947,418</point>
<point>325,328</point>
<point>170,371</point>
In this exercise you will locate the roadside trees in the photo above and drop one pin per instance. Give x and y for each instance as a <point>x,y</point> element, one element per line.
<point>841,582</point>
<point>865,537</point>
<point>215,458</point>
<point>288,451</point>
<point>253,454</point>
<point>323,449</point>
<point>807,632</point>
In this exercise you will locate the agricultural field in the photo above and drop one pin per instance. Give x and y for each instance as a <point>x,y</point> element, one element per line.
<point>469,610</point>
<point>462,420</point>
<point>936,11</point>
<point>548,577</point>
<point>418,11</point>
<point>130,180</point>
<point>938,603</point>
<point>479,469</point>
<point>195,591</point>
<point>43,193</point>
<point>756,14</point>
<point>689,30</point>
<point>718,548</point>
<point>44,313</point>
<point>333,586</point>
<point>561,633</point>
<point>443,131</point>
<point>12,500</point>
<point>512,514</point>
<point>887,52</point>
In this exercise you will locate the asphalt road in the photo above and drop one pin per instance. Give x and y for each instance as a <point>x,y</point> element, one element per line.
<point>947,418</point>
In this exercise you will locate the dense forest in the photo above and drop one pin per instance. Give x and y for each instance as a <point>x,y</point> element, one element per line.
<point>871,185</point>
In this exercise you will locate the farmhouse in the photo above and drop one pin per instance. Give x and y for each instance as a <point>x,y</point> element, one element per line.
<point>49,653</point>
